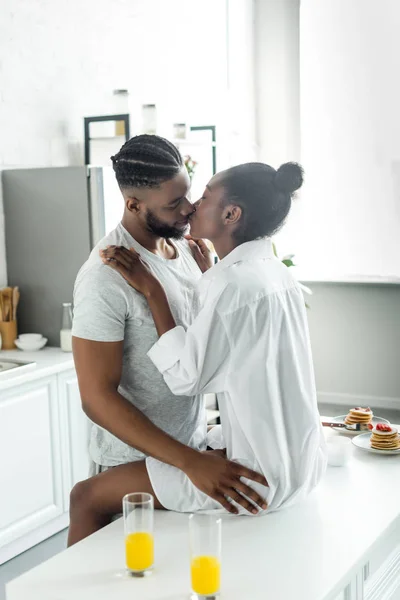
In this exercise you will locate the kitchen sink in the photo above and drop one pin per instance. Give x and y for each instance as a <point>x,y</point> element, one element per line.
<point>9,368</point>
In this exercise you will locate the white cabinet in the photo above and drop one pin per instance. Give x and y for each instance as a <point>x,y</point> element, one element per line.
<point>32,493</point>
<point>43,453</point>
<point>75,429</point>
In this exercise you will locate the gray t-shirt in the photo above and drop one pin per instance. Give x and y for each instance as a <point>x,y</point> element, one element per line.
<point>108,309</point>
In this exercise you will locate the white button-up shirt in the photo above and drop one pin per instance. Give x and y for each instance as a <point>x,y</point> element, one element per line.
<point>250,345</point>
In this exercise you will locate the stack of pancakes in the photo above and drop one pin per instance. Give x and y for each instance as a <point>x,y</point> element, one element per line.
<point>385,440</point>
<point>362,416</point>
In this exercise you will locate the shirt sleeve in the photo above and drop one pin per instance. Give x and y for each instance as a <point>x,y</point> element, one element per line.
<point>195,361</point>
<point>100,306</point>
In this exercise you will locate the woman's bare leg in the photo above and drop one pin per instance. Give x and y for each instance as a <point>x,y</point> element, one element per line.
<point>96,500</point>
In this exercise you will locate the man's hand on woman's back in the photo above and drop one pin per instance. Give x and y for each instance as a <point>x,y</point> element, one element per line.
<point>220,479</point>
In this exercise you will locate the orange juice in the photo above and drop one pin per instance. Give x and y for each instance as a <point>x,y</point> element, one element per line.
<point>205,575</point>
<point>139,551</point>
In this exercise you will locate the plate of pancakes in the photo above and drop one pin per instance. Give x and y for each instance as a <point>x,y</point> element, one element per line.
<point>383,439</point>
<point>358,416</point>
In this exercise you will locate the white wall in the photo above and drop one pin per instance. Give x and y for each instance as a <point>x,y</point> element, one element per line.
<point>277,80</point>
<point>278,94</point>
<point>355,329</point>
<point>350,97</point>
<point>62,60</point>
<point>355,335</point>
<point>346,58</point>
<point>240,115</point>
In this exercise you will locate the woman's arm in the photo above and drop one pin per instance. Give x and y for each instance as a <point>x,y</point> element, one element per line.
<point>138,275</point>
<point>194,361</point>
<point>159,306</point>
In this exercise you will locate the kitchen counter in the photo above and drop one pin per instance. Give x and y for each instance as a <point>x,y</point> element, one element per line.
<point>322,549</point>
<point>43,444</point>
<point>48,361</point>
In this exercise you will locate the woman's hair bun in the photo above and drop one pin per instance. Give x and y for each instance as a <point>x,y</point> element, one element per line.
<point>289,177</point>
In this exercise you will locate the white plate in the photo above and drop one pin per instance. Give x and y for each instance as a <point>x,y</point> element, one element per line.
<point>341,418</point>
<point>363,441</point>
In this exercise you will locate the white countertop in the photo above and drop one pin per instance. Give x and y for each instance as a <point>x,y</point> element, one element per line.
<point>48,361</point>
<point>308,552</point>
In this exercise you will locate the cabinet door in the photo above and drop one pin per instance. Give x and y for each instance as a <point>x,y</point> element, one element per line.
<point>75,428</point>
<point>31,478</point>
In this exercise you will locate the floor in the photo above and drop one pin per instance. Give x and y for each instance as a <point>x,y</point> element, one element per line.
<point>30,559</point>
<point>33,557</point>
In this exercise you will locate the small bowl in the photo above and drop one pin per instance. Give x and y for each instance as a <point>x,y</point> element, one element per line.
<point>30,338</point>
<point>31,347</point>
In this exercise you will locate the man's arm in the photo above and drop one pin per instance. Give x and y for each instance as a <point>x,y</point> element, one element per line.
<point>99,367</point>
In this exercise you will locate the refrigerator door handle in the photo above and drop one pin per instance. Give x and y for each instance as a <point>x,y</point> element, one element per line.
<point>96,204</point>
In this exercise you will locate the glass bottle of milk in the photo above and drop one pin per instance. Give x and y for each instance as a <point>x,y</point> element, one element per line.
<point>66,328</point>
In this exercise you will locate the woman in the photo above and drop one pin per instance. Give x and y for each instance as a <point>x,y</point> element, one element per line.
<point>249,343</point>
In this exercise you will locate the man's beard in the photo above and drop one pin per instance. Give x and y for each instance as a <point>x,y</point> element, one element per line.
<point>161,229</point>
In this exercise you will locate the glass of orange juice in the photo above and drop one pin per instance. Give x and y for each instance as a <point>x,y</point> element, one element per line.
<point>205,555</point>
<point>138,512</point>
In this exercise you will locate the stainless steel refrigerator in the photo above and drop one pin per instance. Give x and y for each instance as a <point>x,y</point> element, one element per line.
<point>53,218</point>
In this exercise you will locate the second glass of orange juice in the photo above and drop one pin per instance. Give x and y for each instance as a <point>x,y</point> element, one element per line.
<point>138,512</point>
<point>205,555</point>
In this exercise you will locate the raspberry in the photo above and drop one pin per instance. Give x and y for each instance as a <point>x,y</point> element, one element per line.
<point>383,427</point>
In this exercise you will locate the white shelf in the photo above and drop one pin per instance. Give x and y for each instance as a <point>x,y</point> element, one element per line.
<point>106,137</point>
<point>358,279</point>
<point>193,143</point>
<point>303,275</point>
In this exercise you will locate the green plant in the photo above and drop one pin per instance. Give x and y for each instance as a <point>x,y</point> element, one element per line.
<point>288,261</point>
<point>190,165</point>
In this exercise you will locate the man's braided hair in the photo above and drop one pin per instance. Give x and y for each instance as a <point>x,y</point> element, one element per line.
<point>146,161</point>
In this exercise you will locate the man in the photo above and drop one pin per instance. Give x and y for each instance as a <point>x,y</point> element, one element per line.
<point>134,413</point>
